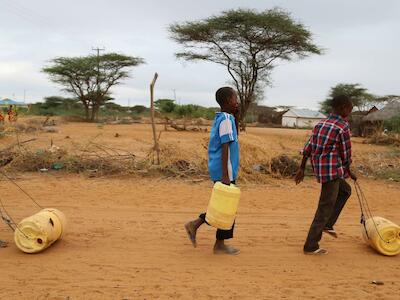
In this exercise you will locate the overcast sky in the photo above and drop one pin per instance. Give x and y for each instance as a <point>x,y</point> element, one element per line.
<point>360,38</point>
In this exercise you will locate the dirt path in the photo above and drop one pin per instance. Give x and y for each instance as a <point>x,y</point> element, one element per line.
<point>126,240</point>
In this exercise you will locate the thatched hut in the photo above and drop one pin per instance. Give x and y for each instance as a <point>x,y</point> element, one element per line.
<point>356,121</point>
<point>374,121</point>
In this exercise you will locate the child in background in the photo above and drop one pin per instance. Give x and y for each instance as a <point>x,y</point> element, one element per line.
<point>10,114</point>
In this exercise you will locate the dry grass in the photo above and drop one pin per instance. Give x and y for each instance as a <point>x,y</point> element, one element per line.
<point>264,153</point>
<point>384,139</point>
<point>94,160</point>
<point>27,126</point>
<point>256,163</point>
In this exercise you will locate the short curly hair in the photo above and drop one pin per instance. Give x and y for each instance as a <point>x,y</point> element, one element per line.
<point>340,100</point>
<point>223,94</point>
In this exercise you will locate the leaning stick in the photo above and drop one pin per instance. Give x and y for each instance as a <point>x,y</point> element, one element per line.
<point>156,147</point>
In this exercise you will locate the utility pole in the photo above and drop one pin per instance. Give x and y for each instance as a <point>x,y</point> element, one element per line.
<point>98,50</point>
<point>24,96</point>
<point>174,90</point>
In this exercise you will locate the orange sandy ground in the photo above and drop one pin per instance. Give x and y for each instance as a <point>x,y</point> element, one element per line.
<point>126,240</point>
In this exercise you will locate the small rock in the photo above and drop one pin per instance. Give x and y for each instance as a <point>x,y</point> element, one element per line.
<point>377,282</point>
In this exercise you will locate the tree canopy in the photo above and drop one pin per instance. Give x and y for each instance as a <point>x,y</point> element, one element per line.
<point>90,78</point>
<point>361,98</point>
<point>165,105</point>
<point>248,43</point>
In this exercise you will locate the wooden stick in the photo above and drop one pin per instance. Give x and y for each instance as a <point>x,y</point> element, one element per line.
<point>153,125</point>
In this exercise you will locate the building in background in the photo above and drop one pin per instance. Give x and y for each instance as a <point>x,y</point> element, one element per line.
<point>301,118</point>
<point>7,102</point>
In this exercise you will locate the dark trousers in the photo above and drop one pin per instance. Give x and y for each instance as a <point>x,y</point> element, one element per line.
<point>221,234</point>
<point>334,195</point>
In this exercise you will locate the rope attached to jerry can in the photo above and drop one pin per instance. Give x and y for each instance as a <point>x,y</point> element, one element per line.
<point>366,211</point>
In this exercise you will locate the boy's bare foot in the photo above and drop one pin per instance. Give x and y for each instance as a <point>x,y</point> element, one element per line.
<point>191,231</point>
<point>225,249</point>
<point>3,244</point>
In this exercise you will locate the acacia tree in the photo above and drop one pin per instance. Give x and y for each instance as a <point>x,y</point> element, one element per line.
<point>248,43</point>
<point>90,78</point>
<point>361,98</point>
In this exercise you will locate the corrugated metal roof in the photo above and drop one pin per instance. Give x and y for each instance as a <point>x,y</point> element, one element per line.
<point>7,101</point>
<point>306,113</point>
<point>391,110</point>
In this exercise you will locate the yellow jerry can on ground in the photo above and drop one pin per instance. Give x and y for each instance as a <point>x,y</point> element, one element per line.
<point>38,232</point>
<point>383,236</point>
<point>223,205</point>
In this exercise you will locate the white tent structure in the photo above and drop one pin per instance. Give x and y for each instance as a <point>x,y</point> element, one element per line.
<point>301,118</point>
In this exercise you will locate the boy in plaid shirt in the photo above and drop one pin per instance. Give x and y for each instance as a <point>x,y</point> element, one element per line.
<point>329,148</point>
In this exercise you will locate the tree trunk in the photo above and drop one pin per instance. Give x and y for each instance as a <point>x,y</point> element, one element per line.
<point>86,112</point>
<point>93,113</point>
<point>244,106</point>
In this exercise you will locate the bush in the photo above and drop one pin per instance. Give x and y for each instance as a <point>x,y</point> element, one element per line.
<point>139,109</point>
<point>194,111</point>
<point>393,124</point>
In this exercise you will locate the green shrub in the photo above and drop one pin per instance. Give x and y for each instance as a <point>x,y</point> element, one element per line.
<point>393,124</point>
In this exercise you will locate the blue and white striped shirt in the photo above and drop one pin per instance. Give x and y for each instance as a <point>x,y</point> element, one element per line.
<point>223,131</point>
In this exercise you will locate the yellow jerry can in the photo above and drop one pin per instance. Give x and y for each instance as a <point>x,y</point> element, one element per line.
<point>383,236</point>
<point>223,205</point>
<point>38,232</point>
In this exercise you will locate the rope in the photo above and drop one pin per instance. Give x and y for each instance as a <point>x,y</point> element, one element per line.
<point>8,220</point>
<point>5,218</point>
<point>362,218</point>
<point>21,189</point>
<point>362,199</point>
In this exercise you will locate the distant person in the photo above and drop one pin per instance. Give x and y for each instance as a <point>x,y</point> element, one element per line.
<point>329,148</point>
<point>223,162</point>
<point>1,118</point>
<point>10,114</point>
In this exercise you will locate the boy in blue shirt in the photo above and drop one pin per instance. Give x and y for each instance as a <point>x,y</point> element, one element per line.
<point>223,162</point>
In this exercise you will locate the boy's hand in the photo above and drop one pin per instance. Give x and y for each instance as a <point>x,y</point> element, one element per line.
<point>299,176</point>
<point>225,180</point>
<point>236,113</point>
<point>353,175</point>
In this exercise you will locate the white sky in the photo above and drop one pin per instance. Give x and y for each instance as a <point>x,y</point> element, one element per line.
<point>360,38</point>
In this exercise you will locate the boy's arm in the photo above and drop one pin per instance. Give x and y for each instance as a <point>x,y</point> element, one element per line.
<point>345,152</point>
<point>300,172</point>
<point>236,115</point>
<point>225,175</point>
<point>226,136</point>
<point>306,154</point>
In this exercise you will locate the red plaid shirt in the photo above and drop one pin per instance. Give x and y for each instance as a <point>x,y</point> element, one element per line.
<point>330,149</point>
